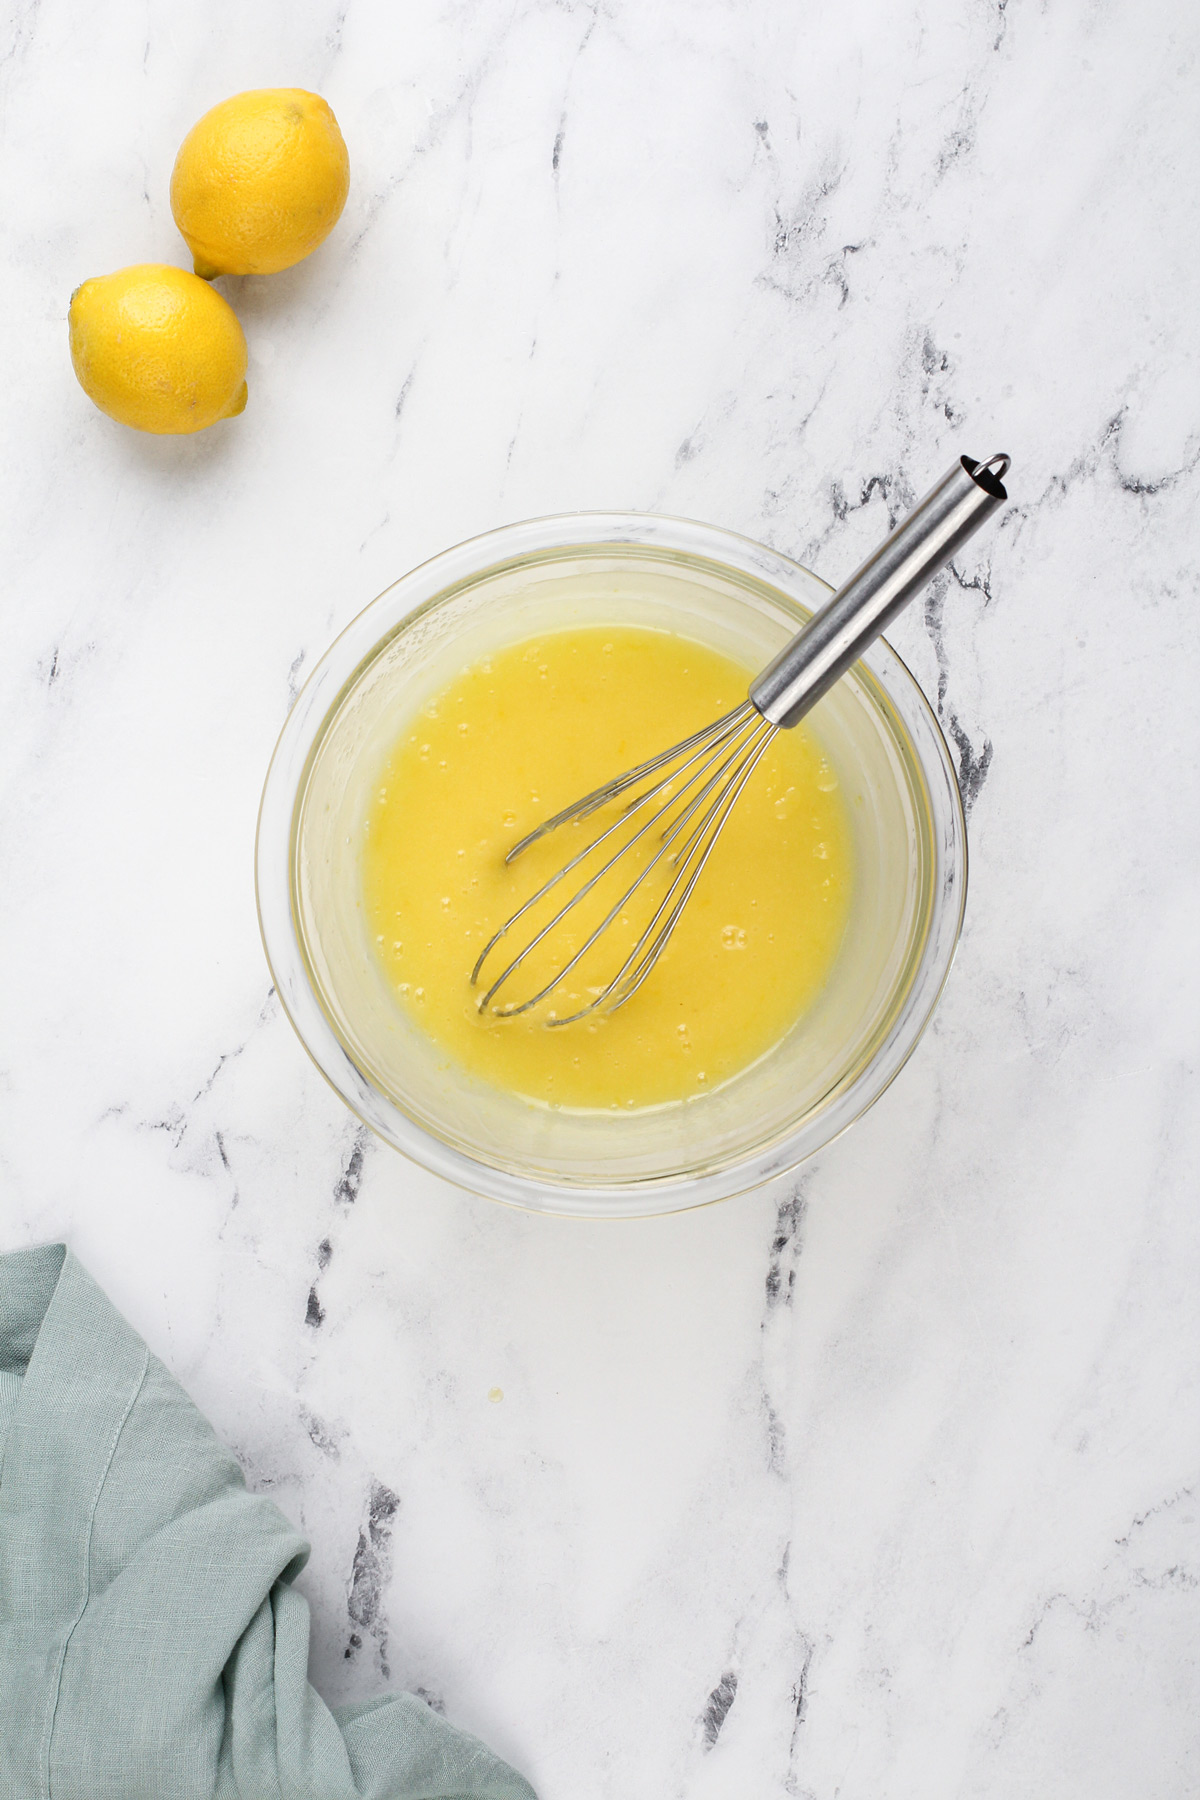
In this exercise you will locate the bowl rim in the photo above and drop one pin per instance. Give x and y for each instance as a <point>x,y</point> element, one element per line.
<point>338,667</point>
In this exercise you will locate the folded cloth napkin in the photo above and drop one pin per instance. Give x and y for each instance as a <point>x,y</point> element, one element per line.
<point>152,1646</point>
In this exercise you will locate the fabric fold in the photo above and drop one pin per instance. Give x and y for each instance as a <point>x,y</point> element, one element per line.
<point>151,1642</point>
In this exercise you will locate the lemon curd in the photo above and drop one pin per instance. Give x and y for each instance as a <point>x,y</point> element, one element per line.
<point>522,734</point>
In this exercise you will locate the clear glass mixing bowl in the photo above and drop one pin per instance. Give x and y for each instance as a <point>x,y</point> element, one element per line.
<point>909,842</point>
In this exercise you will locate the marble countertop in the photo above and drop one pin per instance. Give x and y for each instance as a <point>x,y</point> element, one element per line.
<point>881,1482</point>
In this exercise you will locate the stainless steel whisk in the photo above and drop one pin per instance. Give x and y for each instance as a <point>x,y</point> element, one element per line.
<point>705,774</point>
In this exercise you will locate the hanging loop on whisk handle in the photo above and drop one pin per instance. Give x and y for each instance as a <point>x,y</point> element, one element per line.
<point>924,542</point>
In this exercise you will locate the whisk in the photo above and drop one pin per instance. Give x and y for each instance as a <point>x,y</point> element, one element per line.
<point>698,781</point>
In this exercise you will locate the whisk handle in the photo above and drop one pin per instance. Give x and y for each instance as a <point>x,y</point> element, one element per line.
<point>834,638</point>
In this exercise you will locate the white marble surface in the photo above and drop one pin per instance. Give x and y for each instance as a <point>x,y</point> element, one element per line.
<point>881,1484</point>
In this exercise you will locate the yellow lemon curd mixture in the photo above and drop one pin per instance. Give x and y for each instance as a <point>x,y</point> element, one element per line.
<point>523,734</point>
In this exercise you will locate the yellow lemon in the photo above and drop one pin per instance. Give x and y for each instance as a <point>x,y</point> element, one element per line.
<point>158,349</point>
<point>259,182</point>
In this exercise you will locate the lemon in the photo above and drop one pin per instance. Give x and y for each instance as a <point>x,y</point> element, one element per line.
<point>259,182</point>
<point>158,349</point>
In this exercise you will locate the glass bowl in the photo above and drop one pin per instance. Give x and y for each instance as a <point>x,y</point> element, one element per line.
<point>909,846</point>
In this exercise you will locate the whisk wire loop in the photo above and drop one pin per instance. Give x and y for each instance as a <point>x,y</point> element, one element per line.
<point>706,756</point>
<point>650,945</point>
<point>714,734</point>
<point>711,743</point>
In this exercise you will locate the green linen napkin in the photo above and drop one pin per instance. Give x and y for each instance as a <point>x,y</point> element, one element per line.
<point>152,1646</point>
